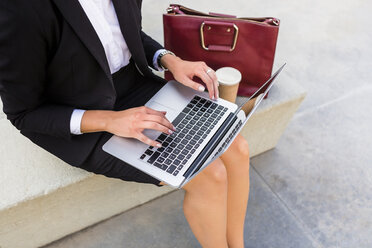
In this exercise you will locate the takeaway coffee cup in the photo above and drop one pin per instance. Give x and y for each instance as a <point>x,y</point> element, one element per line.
<point>229,79</point>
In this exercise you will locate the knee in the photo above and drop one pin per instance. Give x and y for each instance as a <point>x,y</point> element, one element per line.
<point>216,173</point>
<point>241,146</point>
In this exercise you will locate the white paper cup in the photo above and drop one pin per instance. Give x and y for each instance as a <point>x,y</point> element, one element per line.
<point>229,79</point>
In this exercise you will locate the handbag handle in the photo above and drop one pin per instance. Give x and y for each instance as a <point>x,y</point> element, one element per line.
<point>221,15</point>
<point>220,48</point>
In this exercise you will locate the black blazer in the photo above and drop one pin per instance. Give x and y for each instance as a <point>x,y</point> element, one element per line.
<point>52,61</point>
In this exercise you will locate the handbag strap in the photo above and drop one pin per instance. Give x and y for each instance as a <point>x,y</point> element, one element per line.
<point>178,9</point>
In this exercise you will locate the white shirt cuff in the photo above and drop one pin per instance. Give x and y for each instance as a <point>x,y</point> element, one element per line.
<point>155,60</point>
<point>75,121</point>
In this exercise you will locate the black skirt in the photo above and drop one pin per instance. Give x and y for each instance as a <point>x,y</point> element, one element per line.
<point>133,90</point>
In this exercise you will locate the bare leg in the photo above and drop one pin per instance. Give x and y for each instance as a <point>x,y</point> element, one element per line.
<point>205,205</point>
<point>236,160</point>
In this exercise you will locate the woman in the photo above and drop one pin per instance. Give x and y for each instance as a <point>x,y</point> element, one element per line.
<point>75,72</point>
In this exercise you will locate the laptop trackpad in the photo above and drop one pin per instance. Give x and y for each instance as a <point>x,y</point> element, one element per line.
<point>171,113</point>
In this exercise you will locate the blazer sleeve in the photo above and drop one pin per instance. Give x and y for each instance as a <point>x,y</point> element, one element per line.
<point>23,64</point>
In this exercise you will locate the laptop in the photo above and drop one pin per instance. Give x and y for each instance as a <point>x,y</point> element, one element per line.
<point>204,130</point>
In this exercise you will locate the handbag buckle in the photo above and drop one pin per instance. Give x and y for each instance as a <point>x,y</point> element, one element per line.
<point>229,49</point>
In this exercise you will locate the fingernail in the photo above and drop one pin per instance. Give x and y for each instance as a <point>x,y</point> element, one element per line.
<point>174,129</point>
<point>201,88</point>
<point>170,131</point>
<point>212,97</point>
<point>158,145</point>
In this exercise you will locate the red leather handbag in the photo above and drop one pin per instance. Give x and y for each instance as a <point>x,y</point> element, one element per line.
<point>247,44</point>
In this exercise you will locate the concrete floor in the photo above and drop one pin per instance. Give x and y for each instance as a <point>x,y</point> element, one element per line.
<point>315,188</point>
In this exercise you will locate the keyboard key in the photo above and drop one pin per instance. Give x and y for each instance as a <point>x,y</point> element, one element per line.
<point>168,162</point>
<point>199,113</point>
<point>185,152</point>
<point>143,156</point>
<point>153,157</point>
<point>188,156</point>
<point>186,110</point>
<point>160,166</point>
<point>196,117</point>
<point>203,109</point>
<point>175,173</point>
<point>181,157</point>
<point>160,160</point>
<point>172,156</point>
<point>192,142</point>
<point>169,140</point>
<point>184,141</point>
<point>162,137</point>
<point>188,117</point>
<point>149,152</point>
<point>161,149</point>
<point>213,106</point>
<point>178,119</point>
<point>181,135</point>
<point>165,144</point>
<point>199,105</point>
<point>203,100</point>
<point>173,145</point>
<point>220,107</point>
<point>210,111</point>
<point>180,167</point>
<point>189,147</point>
<point>192,132</point>
<point>181,146</point>
<point>180,126</point>
<point>176,151</point>
<point>207,104</point>
<point>165,154</point>
<point>192,113</point>
<point>171,169</point>
<point>192,151</point>
<point>169,150</point>
<point>177,162</point>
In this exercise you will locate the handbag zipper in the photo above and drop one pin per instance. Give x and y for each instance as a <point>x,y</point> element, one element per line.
<point>180,10</point>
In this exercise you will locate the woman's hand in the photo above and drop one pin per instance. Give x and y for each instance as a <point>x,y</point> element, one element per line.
<point>183,71</point>
<point>128,123</point>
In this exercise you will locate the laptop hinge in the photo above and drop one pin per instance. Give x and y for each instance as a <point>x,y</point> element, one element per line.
<point>211,145</point>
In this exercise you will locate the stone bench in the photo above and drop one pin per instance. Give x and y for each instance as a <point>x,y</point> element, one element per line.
<point>44,199</point>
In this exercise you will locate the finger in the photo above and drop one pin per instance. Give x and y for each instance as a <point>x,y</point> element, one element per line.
<point>161,120</point>
<point>194,85</point>
<point>143,138</point>
<point>207,80</point>
<point>155,112</point>
<point>154,126</point>
<point>213,76</point>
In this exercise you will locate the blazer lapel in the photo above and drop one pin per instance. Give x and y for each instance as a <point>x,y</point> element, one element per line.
<point>76,17</point>
<point>131,29</point>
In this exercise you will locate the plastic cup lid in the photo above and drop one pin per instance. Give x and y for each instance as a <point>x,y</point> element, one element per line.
<point>228,76</point>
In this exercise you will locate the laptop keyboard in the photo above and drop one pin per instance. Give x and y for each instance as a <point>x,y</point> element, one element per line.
<point>193,125</point>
